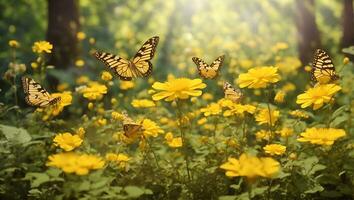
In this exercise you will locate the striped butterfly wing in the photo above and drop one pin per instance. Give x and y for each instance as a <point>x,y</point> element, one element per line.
<point>36,95</point>
<point>323,70</point>
<point>231,93</point>
<point>130,127</point>
<point>141,60</point>
<point>119,66</point>
<point>208,71</point>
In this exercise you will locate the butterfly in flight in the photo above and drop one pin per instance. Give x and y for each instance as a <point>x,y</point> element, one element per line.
<point>130,127</point>
<point>231,93</point>
<point>138,66</point>
<point>209,71</point>
<point>323,70</point>
<point>36,95</point>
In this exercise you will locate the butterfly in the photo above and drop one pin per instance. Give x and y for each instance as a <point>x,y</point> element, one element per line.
<point>231,93</point>
<point>138,66</point>
<point>36,95</point>
<point>130,127</point>
<point>209,71</point>
<point>323,70</point>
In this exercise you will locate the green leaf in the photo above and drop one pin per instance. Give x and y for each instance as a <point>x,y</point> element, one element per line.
<point>338,121</point>
<point>15,135</point>
<point>339,111</point>
<point>36,179</point>
<point>314,189</point>
<point>349,50</point>
<point>228,197</point>
<point>134,191</point>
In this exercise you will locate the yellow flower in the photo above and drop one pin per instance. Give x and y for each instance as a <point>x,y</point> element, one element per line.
<point>180,88</point>
<point>279,97</point>
<point>258,77</point>
<point>274,149</point>
<point>80,132</point>
<point>251,167</point>
<point>62,86</point>
<point>54,110</point>
<point>90,106</point>
<point>211,109</point>
<point>207,96</point>
<point>263,135</point>
<point>202,121</point>
<point>67,141</point>
<point>101,122</point>
<point>288,87</point>
<point>345,60</point>
<point>142,103</point>
<point>82,79</point>
<point>289,65</point>
<point>317,96</point>
<point>280,46</point>
<point>80,35</point>
<point>285,132</point>
<point>299,114</point>
<point>79,63</point>
<point>80,164</point>
<point>172,141</point>
<point>117,116</point>
<point>34,65</point>
<point>266,117</point>
<point>121,159</point>
<point>321,136</point>
<point>126,85</point>
<point>106,76</point>
<point>42,46</point>
<point>14,44</point>
<point>238,109</point>
<point>308,68</point>
<point>151,128</point>
<point>94,91</point>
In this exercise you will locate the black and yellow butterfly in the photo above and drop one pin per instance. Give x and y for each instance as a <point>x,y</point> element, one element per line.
<point>231,93</point>
<point>36,95</point>
<point>138,66</point>
<point>130,127</point>
<point>323,70</point>
<point>209,71</point>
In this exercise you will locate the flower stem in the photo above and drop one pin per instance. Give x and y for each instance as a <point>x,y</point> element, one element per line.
<point>185,150</point>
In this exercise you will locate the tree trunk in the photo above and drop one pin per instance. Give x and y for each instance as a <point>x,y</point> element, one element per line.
<point>63,25</point>
<point>308,34</point>
<point>348,24</point>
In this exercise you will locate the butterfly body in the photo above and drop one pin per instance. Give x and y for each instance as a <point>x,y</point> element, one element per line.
<point>36,95</point>
<point>231,93</point>
<point>323,70</point>
<point>209,71</point>
<point>138,66</point>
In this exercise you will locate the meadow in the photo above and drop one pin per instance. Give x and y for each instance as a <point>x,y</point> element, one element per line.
<point>259,123</point>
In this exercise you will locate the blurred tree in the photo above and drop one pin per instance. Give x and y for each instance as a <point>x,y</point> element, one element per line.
<point>308,34</point>
<point>63,25</point>
<point>348,24</point>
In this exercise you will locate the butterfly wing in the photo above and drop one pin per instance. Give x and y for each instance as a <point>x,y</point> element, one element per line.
<point>323,70</point>
<point>206,71</point>
<point>130,127</point>
<point>231,93</point>
<point>141,60</point>
<point>120,66</point>
<point>36,95</point>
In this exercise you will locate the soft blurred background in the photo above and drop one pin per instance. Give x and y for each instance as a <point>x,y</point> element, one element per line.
<point>249,32</point>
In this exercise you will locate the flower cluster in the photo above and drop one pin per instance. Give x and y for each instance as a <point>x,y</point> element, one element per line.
<point>71,162</point>
<point>251,167</point>
<point>172,141</point>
